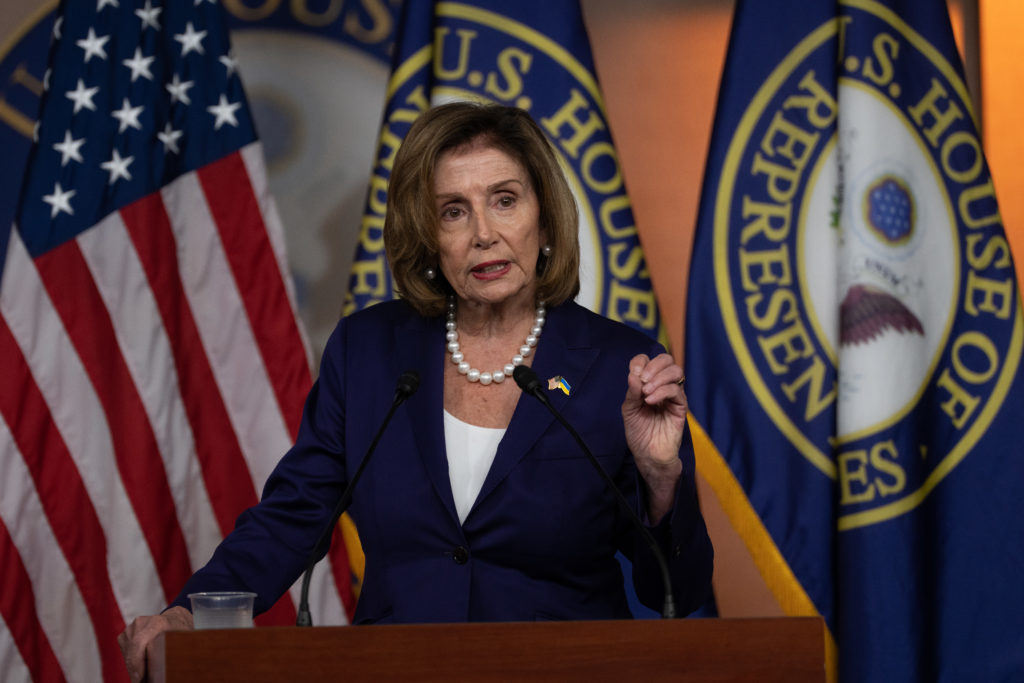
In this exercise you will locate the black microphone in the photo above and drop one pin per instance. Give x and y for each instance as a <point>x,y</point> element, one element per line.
<point>528,381</point>
<point>408,383</point>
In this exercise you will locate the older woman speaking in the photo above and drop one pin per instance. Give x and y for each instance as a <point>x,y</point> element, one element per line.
<point>479,505</point>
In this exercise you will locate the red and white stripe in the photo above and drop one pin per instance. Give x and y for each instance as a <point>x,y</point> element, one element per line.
<point>154,372</point>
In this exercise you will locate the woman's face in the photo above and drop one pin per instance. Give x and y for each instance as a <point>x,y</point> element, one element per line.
<point>490,233</point>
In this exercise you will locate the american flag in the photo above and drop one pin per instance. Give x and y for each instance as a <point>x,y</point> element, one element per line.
<point>153,368</point>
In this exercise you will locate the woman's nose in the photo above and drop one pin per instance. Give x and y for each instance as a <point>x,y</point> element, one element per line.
<point>483,234</point>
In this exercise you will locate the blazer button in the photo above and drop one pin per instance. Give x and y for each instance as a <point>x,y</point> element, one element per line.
<point>461,555</point>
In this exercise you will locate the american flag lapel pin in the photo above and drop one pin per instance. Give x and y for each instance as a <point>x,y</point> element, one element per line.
<point>559,382</point>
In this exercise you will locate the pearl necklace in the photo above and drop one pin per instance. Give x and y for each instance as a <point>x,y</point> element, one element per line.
<point>498,376</point>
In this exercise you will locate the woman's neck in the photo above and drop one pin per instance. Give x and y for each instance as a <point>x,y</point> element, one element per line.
<point>494,320</point>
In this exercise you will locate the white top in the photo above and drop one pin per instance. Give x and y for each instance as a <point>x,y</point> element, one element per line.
<point>471,451</point>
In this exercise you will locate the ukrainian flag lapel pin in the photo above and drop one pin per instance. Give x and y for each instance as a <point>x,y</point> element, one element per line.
<point>559,382</point>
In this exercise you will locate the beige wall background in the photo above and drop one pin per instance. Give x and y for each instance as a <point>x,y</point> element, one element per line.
<point>659,62</point>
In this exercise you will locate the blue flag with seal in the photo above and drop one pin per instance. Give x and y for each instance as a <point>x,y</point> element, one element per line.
<point>534,55</point>
<point>854,336</point>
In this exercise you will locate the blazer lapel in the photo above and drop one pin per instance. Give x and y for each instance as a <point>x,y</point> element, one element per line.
<point>420,348</point>
<point>565,350</point>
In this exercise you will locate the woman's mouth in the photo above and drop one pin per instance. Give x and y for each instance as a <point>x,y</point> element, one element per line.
<point>490,270</point>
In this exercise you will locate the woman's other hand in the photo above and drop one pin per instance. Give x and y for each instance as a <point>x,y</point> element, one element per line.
<point>135,639</point>
<point>654,415</point>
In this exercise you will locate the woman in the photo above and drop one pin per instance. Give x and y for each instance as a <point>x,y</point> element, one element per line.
<point>478,505</point>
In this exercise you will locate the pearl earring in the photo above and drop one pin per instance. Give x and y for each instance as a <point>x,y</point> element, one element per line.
<point>430,273</point>
<point>546,250</point>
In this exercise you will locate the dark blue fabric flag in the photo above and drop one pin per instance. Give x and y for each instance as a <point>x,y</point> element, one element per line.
<point>854,336</point>
<point>534,55</point>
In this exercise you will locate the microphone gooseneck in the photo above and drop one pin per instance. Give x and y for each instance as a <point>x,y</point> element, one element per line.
<point>407,385</point>
<point>528,381</point>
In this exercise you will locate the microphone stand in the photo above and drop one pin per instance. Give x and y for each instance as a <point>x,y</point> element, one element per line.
<point>408,383</point>
<point>528,381</point>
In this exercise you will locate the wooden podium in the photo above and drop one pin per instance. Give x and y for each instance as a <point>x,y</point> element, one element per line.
<point>762,650</point>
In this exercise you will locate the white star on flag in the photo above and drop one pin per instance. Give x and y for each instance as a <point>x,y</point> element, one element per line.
<point>128,116</point>
<point>148,15</point>
<point>179,90</point>
<point>93,45</point>
<point>139,65</point>
<point>100,4</point>
<point>82,97</point>
<point>59,201</point>
<point>190,40</point>
<point>117,167</point>
<point>230,62</point>
<point>225,112</point>
<point>170,138</point>
<point>69,148</point>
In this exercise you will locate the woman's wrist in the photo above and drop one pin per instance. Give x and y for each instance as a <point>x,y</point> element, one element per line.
<point>661,482</point>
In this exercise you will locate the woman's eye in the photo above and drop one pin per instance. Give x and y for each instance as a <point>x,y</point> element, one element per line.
<point>451,212</point>
<point>505,201</point>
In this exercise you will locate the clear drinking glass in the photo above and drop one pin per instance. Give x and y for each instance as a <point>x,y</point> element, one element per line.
<point>222,609</point>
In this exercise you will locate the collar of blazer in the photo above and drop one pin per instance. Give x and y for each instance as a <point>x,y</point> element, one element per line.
<point>564,349</point>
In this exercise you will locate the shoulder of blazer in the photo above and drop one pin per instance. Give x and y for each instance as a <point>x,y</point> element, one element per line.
<point>394,312</point>
<point>380,323</point>
<point>580,327</point>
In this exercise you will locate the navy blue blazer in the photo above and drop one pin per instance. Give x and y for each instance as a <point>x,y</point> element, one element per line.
<point>541,538</point>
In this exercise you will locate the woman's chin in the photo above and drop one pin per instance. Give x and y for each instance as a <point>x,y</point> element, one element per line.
<point>497,293</point>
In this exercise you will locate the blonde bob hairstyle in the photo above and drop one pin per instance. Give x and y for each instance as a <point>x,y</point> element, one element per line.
<point>412,223</point>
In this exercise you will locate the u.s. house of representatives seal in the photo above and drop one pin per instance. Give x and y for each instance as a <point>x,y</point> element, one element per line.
<point>473,53</point>
<point>865,281</point>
